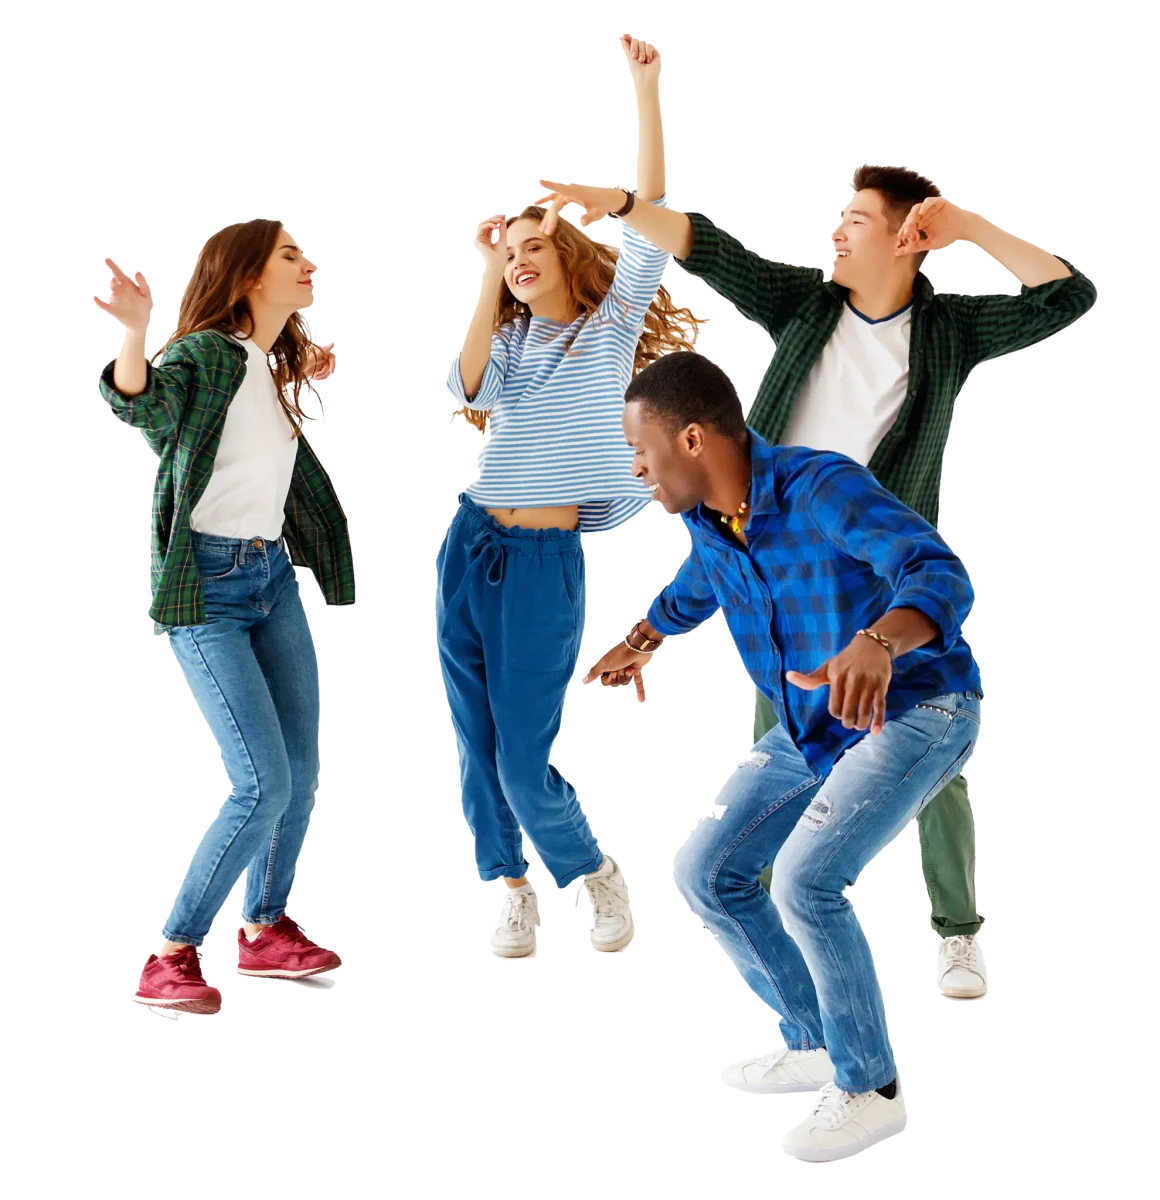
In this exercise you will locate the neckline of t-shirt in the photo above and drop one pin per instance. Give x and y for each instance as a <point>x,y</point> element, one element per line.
<point>879,320</point>
<point>542,322</point>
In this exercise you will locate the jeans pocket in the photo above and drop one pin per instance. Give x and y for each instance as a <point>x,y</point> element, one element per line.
<point>540,619</point>
<point>954,769</point>
<point>948,704</point>
<point>215,565</point>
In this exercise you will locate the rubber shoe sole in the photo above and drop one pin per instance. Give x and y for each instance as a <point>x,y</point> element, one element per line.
<point>280,974</point>
<point>820,1155</point>
<point>205,1007</point>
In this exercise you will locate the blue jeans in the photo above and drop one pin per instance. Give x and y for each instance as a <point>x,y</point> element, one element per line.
<point>510,612</point>
<point>252,671</point>
<point>804,953</point>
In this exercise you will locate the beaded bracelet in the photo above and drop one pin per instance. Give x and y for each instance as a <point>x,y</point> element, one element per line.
<point>879,639</point>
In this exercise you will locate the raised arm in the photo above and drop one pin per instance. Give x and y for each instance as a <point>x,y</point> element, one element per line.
<point>468,370</point>
<point>130,302</point>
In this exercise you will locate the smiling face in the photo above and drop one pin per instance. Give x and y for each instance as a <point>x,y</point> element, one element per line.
<point>864,242</point>
<point>286,280</point>
<point>534,272</point>
<point>669,464</point>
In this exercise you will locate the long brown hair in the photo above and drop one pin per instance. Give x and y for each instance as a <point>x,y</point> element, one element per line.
<point>588,268</point>
<point>215,298</point>
<point>900,190</point>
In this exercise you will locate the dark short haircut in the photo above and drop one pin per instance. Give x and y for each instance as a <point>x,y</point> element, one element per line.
<point>901,190</point>
<point>684,389</point>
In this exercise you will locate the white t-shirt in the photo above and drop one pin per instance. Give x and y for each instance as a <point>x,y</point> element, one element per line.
<point>854,392</point>
<point>246,494</point>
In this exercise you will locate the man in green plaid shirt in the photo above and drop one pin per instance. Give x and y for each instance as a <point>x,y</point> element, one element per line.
<point>869,364</point>
<point>182,412</point>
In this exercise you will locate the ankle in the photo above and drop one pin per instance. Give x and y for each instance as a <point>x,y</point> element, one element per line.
<point>515,884</point>
<point>168,948</point>
<point>253,930</point>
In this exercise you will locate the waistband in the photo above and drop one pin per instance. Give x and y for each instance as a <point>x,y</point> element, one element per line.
<point>239,547</point>
<point>542,541</point>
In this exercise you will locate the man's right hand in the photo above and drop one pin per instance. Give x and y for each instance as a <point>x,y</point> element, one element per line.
<point>620,666</point>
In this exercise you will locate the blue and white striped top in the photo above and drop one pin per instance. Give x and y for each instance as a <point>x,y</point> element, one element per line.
<point>556,436</point>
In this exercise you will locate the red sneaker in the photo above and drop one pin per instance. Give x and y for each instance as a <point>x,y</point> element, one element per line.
<point>283,951</point>
<point>175,982</point>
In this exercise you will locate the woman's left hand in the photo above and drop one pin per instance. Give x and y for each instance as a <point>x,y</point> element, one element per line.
<point>644,60</point>
<point>320,362</point>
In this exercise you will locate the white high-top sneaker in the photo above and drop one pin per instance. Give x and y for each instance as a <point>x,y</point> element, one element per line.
<point>515,935</point>
<point>781,1071</point>
<point>962,973</point>
<point>611,917</point>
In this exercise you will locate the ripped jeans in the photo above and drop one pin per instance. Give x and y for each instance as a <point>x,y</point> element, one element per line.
<point>800,947</point>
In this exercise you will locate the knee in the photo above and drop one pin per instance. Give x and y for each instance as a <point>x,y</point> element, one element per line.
<point>691,881</point>
<point>788,888</point>
<point>269,793</point>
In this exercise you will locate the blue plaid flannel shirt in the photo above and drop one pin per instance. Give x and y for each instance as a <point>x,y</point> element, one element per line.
<point>829,552</point>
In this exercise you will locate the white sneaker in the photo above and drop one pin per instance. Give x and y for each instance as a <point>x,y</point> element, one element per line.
<point>962,973</point>
<point>843,1124</point>
<point>611,916</point>
<point>515,935</point>
<point>782,1071</point>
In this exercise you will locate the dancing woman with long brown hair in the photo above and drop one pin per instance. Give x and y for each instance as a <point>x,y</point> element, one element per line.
<point>239,497</point>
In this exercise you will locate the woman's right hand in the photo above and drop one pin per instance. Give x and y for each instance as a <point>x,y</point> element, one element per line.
<point>494,253</point>
<point>130,302</point>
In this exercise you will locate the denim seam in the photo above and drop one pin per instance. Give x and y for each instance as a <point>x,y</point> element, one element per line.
<point>268,881</point>
<point>761,817</point>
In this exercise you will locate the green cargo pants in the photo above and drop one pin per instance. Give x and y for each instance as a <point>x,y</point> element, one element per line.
<point>946,833</point>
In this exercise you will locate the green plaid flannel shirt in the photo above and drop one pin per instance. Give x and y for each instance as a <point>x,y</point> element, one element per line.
<point>949,335</point>
<point>181,412</point>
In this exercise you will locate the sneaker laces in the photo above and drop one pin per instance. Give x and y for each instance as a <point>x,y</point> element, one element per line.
<point>517,912</point>
<point>292,932</point>
<point>605,895</point>
<point>833,1106</point>
<point>772,1059</point>
<point>187,963</point>
<point>959,951</point>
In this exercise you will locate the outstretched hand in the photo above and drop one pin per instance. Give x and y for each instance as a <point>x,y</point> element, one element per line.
<point>619,667</point>
<point>858,678</point>
<point>597,202</point>
<point>130,300</point>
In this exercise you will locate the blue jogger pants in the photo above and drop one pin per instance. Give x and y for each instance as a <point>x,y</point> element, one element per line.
<point>510,612</point>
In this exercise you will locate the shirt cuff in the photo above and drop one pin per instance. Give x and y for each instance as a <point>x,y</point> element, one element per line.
<point>660,622</point>
<point>703,256</point>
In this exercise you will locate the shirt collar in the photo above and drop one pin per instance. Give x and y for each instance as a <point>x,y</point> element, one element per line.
<point>920,298</point>
<point>763,482</point>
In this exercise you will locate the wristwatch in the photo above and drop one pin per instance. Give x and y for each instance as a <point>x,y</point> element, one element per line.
<point>627,204</point>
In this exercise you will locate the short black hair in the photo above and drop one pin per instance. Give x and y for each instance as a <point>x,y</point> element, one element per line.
<point>901,189</point>
<point>685,388</point>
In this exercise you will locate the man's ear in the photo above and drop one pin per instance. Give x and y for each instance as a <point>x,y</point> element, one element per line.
<point>693,440</point>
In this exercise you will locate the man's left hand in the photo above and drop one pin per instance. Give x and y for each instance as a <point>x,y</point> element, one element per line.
<point>326,360</point>
<point>857,678</point>
<point>931,225</point>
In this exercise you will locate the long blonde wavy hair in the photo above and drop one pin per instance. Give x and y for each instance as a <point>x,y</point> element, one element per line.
<point>215,298</point>
<point>588,268</point>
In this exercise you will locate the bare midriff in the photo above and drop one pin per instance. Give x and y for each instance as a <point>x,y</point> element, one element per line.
<point>564,516</point>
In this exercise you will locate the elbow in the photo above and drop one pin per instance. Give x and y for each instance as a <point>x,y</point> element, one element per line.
<point>684,246</point>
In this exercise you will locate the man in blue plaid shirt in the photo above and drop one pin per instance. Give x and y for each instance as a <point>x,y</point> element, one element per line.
<point>847,608</point>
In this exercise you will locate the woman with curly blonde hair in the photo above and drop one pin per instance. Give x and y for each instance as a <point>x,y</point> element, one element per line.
<point>562,325</point>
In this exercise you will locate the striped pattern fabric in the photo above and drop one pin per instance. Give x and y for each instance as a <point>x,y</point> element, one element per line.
<point>949,336</point>
<point>829,551</point>
<point>181,413</point>
<point>555,433</point>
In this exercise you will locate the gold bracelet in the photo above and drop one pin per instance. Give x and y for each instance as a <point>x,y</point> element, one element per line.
<point>879,639</point>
